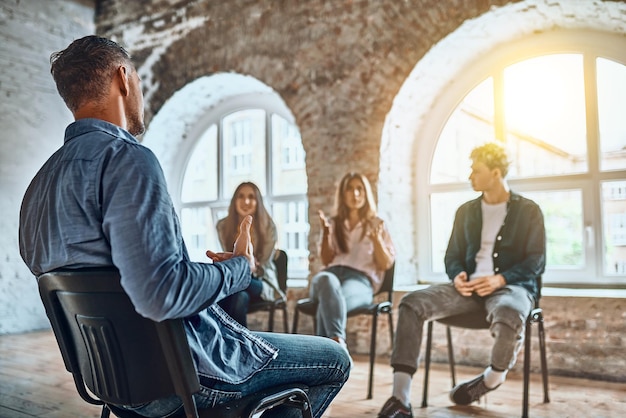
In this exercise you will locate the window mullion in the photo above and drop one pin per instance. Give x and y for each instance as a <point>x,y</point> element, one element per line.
<point>499,121</point>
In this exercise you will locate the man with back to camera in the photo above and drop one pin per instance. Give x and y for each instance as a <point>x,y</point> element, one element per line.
<point>101,200</point>
<point>494,258</point>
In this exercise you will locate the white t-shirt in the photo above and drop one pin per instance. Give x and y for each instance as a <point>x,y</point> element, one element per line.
<point>493,218</point>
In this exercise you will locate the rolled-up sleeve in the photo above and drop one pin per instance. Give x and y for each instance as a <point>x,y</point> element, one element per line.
<point>146,243</point>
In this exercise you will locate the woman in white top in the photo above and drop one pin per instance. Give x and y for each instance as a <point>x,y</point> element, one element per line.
<point>355,249</point>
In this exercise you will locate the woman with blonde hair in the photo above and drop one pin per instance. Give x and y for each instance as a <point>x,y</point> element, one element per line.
<point>356,249</point>
<point>247,200</point>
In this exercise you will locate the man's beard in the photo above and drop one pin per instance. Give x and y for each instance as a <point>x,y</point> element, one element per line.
<point>136,125</point>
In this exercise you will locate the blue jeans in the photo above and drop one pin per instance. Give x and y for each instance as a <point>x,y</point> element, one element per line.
<point>236,305</point>
<point>507,309</point>
<point>338,289</point>
<point>319,363</point>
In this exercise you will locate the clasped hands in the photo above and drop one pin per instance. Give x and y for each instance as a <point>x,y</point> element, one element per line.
<point>243,246</point>
<point>482,286</point>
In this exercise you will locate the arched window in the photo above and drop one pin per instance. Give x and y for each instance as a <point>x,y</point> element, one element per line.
<point>247,138</point>
<point>557,104</point>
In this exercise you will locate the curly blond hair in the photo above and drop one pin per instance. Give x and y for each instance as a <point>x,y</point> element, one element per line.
<point>493,155</point>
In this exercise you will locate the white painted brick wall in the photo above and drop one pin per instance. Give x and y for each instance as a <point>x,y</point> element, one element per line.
<point>32,122</point>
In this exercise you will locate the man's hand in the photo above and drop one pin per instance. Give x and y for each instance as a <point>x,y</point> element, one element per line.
<point>486,285</point>
<point>217,257</point>
<point>243,243</point>
<point>243,246</point>
<point>462,285</point>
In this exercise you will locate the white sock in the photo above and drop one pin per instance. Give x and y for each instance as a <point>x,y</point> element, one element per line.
<point>402,387</point>
<point>493,377</point>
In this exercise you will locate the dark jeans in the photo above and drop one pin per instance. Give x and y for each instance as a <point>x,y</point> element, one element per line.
<point>236,305</point>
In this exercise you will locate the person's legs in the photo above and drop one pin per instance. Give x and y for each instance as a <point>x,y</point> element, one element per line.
<point>416,308</point>
<point>331,310</point>
<point>236,305</point>
<point>254,290</point>
<point>338,290</point>
<point>318,363</point>
<point>507,310</point>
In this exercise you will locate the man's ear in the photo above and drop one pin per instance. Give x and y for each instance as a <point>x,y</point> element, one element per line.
<point>123,78</point>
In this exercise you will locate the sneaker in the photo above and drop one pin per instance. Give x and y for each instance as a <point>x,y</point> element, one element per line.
<point>393,408</point>
<point>470,391</point>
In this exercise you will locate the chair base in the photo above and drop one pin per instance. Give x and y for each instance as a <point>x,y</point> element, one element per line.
<point>293,396</point>
<point>535,317</point>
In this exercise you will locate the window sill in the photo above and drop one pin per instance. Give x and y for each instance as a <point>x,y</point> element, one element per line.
<point>546,291</point>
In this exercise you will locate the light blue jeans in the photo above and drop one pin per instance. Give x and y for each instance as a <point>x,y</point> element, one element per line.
<point>338,289</point>
<point>319,363</point>
<point>507,309</point>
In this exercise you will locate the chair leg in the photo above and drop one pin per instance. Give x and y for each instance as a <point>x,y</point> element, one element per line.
<point>451,361</point>
<point>285,322</point>
<point>106,412</point>
<point>294,328</point>
<point>544,362</point>
<point>429,337</point>
<point>271,320</point>
<point>391,335</point>
<point>372,354</point>
<point>527,348</point>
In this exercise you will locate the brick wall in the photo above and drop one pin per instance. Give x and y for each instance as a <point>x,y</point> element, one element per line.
<point>338,66</point>
<point>32,121</point>
<point>585,337</point>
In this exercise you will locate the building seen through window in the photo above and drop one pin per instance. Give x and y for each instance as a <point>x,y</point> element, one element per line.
<point>560,116</point>
<point>256,145</point>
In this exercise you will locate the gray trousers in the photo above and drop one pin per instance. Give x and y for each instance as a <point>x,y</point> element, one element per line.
<point>338,289</point>
<point>507,310</point>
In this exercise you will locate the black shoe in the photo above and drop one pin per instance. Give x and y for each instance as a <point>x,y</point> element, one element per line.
<point>393,408</point>
<point>470,391</point>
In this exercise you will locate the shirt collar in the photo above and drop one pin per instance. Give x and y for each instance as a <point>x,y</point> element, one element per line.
<point>84,126</point>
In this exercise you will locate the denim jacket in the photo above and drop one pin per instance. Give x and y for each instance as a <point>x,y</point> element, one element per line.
<point>519,252</point>
<point>101,200</point>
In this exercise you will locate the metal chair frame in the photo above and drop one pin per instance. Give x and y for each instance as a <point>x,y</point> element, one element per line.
<point>309,307</point>
<point>478,321</point>
<point>117,357</point>
<point>281,262</point>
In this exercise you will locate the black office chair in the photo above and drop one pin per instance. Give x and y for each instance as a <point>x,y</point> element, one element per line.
<point>122,358</point>
<point>309,307</point>
<point>271,306</point>
<point>478,321</point>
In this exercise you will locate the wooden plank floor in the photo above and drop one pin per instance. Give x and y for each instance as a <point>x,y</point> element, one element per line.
<point>34,383</point>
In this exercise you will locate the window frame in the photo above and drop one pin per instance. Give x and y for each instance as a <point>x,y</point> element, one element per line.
<point>271,104</point>
<point>591,45</point>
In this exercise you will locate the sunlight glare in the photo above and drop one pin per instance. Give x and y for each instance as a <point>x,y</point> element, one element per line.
<point>544,99</point>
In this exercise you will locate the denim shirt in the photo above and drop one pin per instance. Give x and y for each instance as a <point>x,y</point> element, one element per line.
<point>101,200</point>
<point>519,252</point>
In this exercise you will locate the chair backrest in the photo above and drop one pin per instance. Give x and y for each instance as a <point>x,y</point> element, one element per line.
<point>280,261</point>
<point>122,357</point>
<point>387,285</point>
